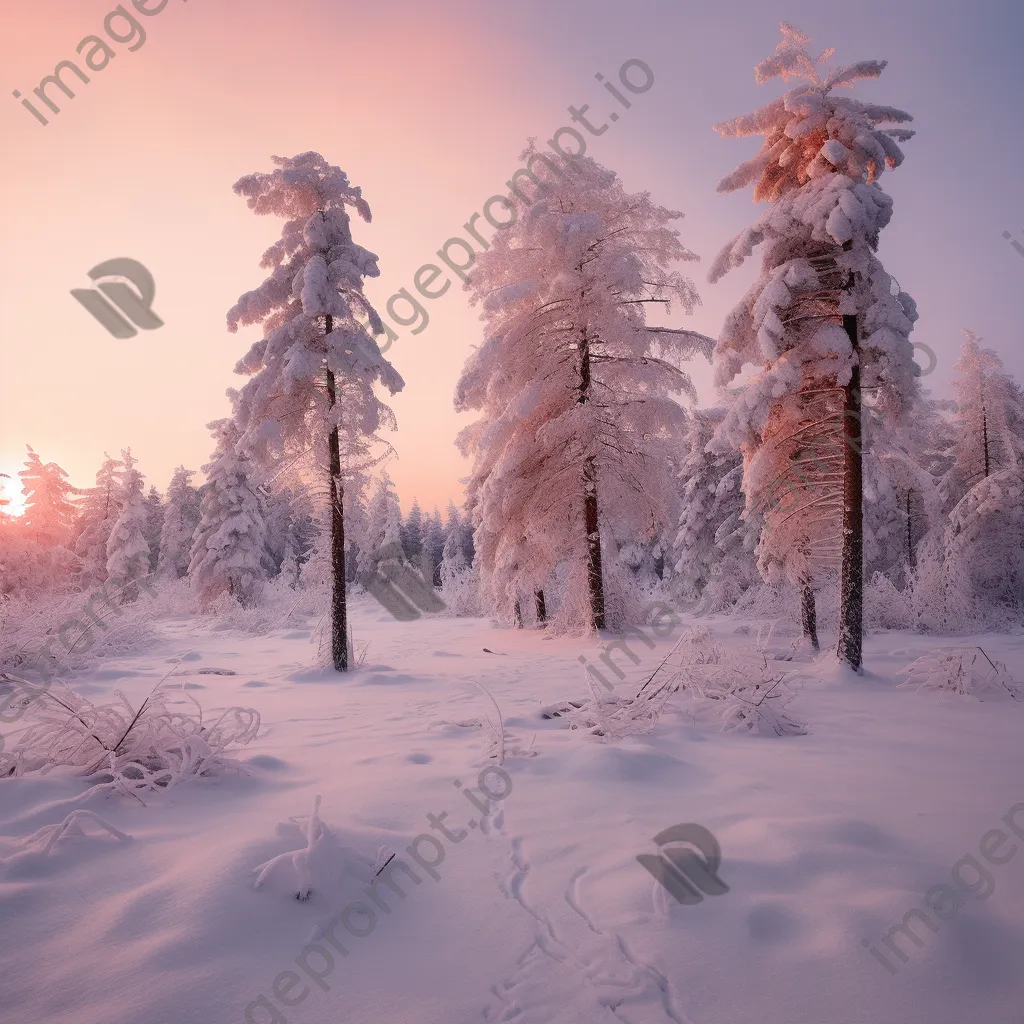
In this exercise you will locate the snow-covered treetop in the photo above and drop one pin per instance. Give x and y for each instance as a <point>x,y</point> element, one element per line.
<point>819,166</point>
<point>48,509</point>
<point>809,132</point>
<point>317,271</point>
<point>584,236</point>
<point>131,479</point>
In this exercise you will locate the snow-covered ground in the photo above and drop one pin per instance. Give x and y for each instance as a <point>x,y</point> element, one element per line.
<point>541,913</point>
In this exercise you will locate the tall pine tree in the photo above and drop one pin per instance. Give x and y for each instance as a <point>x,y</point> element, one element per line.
<point>823,321</point>
<point>317,363</point>
<point>575,391</point>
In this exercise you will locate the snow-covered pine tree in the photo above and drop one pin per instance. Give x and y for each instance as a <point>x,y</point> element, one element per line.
<point>154,525</point>
<point>821,322</point>
<point>458,536</point>
<point>383,541</point>
<point>433,545</point>
<point>99,508</point>
<point>457,577</point>
<point>988,422</point>
<point>181,517</point>
<point>982,541</point>
<point>291,528</point>
<point>579,427</point>
<point>316,364</point>
<point>412,532</point>
<point>127,546</point>
<point>229,550</point>
<point>713,549</point>
<point>49,514</point>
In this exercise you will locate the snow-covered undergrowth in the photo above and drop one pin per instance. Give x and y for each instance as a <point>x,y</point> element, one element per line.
<point>76,638</point>
<point>965,671</point>
<point>734,688</point>
<point>128,750</point>
<point>53,635</point>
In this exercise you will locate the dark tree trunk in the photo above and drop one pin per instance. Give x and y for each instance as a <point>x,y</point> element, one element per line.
<point>595,575</point>
<point>339,608</point>
<point>851,626</point>
<point>517,615</point>
<point>542,608</point>
<point>809,615</point>
<point>591,518</point>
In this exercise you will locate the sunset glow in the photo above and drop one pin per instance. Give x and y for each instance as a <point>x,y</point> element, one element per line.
<point>511,512</point>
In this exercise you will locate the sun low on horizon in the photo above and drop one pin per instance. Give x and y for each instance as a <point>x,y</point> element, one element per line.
<point>12,500</point>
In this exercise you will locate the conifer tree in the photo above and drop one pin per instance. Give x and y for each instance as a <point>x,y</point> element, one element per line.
<point>712,552</point>
<point>99,508</point>
<point>316,366</point>
<point>988,424</point>
<point>412,532</point>
<point>181,517</point>
<point>154,525</point>
<point>576,392</point>
<point>49,513</point>
<point>433,546</point>
<point>823,322</point>
<point>229,551</point>
<point>127,546</point>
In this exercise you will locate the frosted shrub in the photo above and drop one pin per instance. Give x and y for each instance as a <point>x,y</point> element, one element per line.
<point>126,750</point>
<point>745,704</point>
<point>31,641</point>
<point>717,684</point>
<point>966,671</point>
<point>314,866</point>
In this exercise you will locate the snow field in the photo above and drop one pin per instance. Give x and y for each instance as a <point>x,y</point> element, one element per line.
<point>544,915</point>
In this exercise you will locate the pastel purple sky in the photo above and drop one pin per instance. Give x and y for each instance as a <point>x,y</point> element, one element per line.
<point>427,107</point>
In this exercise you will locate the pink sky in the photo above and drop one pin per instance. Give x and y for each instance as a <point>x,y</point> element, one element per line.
<point>427,109</point>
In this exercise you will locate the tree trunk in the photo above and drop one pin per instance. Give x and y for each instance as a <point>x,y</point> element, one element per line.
<point>517,615</point>
<point>591,518</point>
<point>542,608</point>
<point>595,575</point>
<point>851,628</point>
<point>809,614</point>
<point>339,608</point>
